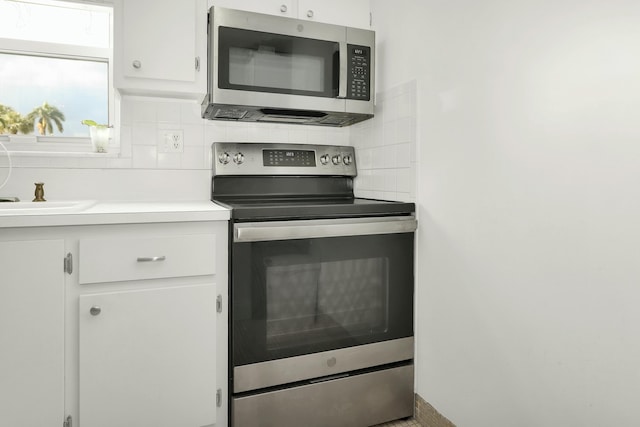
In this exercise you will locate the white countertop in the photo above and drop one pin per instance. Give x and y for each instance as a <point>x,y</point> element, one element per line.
<point>115,212</point>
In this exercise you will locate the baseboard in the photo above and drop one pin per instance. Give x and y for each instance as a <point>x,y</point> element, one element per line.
<point>427,416</point>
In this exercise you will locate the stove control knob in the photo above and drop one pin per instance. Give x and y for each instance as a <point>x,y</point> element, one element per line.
<point>238,158</point>
<point>337,159</point>
<point>347,160</point>
<point>324,159</point>
<point>224,158</point>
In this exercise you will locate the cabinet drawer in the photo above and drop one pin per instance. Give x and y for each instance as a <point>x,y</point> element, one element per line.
<point>114,260</point>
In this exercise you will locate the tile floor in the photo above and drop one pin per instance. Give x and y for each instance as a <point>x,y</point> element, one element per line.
<point>410,422</point>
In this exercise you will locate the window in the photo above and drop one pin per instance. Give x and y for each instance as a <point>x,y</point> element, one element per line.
<point>55,71</point>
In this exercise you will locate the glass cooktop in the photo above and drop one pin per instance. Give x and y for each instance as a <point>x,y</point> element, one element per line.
<point>264,209</point>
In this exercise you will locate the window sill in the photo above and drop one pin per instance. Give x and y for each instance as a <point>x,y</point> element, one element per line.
<point>70,154</point>
<point>31,146</point>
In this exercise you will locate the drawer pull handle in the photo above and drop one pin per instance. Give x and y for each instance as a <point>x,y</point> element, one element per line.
<point>151,258</point>
<point>95,310</point>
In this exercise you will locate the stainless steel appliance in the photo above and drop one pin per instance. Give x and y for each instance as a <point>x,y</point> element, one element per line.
<point>321,289</point>
<point>274,69</point>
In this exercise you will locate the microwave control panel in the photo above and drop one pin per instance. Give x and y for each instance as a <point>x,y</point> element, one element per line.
<point>358,81</point>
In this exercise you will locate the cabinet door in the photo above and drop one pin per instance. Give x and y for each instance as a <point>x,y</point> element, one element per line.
<point>160,46</point>
<point>148,357</point>
<point>31,333</point>
<point>350,13</point>
<point>270,7</point>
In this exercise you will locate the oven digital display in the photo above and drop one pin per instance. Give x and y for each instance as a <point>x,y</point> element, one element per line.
<point>295,158</point>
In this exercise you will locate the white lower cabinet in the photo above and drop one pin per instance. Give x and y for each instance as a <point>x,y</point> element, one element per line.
<point>31,331</point>
<point>147,357</point>
<point>116,325</point>
<point>146,307</point>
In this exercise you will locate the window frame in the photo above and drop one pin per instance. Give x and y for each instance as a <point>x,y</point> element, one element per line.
<point>44,144</point>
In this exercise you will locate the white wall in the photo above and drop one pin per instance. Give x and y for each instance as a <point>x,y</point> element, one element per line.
<point>529,205</point>
<point>386,146</point>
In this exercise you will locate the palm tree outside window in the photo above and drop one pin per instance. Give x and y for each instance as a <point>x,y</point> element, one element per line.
<point>46,116</point>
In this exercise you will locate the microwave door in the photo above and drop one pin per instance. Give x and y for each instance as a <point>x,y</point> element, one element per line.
<point>268,63</point>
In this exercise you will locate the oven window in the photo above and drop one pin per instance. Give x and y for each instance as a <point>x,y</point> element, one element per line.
<point>315,302</point>
<point>264,62</point>
<point>296,297</point>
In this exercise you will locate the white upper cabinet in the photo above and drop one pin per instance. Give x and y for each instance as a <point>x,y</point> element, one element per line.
<point>351,13</point>
<point>278,7</point>
<point>160,47</point>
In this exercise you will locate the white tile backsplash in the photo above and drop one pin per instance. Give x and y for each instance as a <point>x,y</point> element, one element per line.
<point>169,161</point>
<point>141,124</point>
<point>144,133</point>
<point>144,156</point>
<point>386,146</point>
<point>168,112</point>
<point>144,111</point>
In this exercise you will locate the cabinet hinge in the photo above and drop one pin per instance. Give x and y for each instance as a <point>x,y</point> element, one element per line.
<point>67,422</point>
<point>219,397</point>
<point>219,304</point>
<point>68,264</point>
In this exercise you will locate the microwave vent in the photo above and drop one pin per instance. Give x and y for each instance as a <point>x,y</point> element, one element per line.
<point>248,113</point>
<point>280,119</point>
<point>281,112</point>
<point>337,121</point>
<point>230,113</point>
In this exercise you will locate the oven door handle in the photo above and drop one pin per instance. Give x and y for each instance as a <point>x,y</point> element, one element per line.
<point>309,229</point>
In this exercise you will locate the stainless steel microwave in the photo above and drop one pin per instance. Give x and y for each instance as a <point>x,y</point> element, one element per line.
<point>265,68</point>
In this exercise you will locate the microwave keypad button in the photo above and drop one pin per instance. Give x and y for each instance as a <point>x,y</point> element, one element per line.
<point>358,73</point>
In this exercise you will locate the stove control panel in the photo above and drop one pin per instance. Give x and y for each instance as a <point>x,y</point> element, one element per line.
<point>244,158</point>
<point>288,158</point>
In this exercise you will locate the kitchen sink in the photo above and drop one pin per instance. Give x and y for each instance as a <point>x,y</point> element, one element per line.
<point>39,208</point>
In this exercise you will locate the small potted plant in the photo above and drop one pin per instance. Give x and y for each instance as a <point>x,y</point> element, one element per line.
<point>100,135</point>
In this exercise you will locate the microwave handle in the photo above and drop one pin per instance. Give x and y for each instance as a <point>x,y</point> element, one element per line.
<point>342,87</point>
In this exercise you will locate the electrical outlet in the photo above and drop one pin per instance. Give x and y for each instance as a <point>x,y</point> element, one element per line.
<point>171,141</point>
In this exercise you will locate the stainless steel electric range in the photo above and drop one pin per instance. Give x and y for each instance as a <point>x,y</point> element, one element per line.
<point>321,289</point>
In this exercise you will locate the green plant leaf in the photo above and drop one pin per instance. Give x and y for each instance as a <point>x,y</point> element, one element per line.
<point>92,123</point>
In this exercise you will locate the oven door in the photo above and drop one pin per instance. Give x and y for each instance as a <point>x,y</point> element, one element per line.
<point>328,289</point>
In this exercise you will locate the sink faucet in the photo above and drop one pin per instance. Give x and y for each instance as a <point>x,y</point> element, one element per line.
<point>39,193</point>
